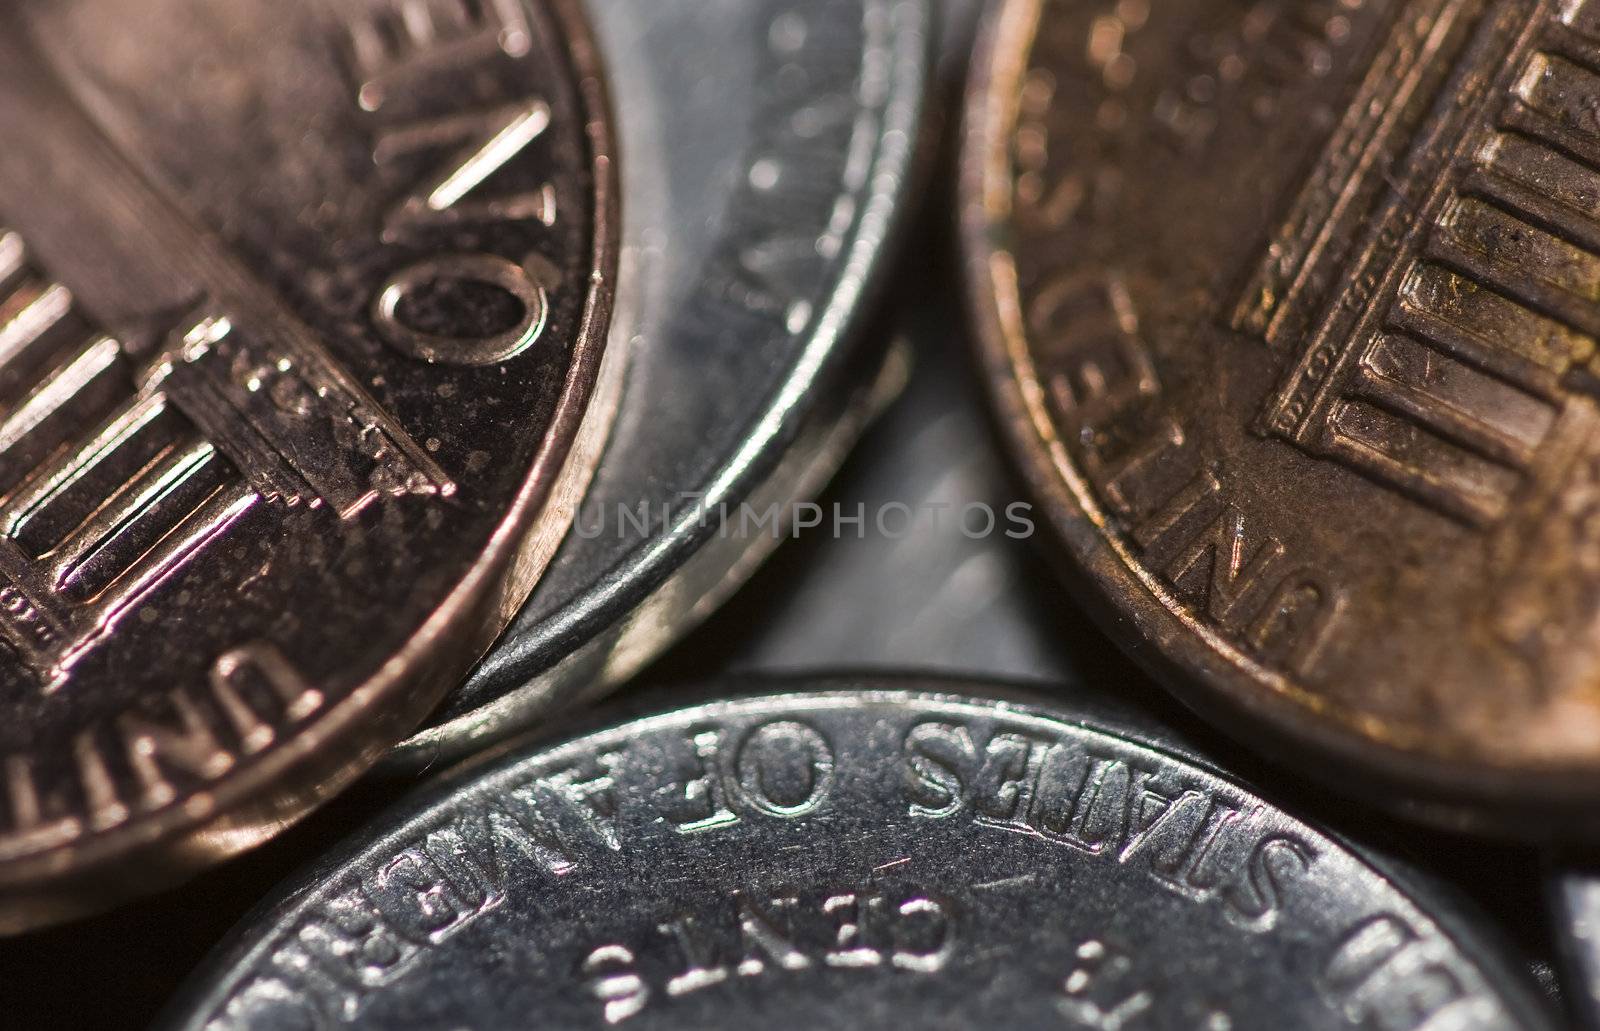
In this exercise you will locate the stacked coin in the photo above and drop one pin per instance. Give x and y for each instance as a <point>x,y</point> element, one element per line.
<point>384,382</point>
<point>758,214</point>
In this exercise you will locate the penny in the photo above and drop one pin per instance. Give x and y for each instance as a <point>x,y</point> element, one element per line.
<point>865,855</point>
<point>301,308</point>
<point>771,146</point>
<point>958,21</point>
<point>1289,310</point>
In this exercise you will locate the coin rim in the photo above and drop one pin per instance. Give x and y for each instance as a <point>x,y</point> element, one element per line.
<point>1480,943</point>
<point>1265,710</point>
<point>323,756</point>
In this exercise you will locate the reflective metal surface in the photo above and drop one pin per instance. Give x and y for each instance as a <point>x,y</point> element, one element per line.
<point>315,310</point>
<point>1289,311</point>
<point>768,149</point>
<point>870,857</point>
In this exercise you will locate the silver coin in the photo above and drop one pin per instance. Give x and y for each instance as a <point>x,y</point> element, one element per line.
<point>767,146</point>
<point>866,856</point>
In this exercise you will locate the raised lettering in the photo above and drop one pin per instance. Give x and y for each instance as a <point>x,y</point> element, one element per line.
<point>706,806</point>
<point>516,281</point>
<point>785,769</point>
<point>609,973</point>
<point>936,754</point>
<point>153,748</point>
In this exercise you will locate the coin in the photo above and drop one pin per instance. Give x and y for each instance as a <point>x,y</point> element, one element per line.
<point>301,307</point>
<point>1289,311</point>
<point>864,855</point>
<point>771,147</point>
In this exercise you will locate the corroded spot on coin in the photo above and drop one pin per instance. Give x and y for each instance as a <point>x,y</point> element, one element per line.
<point>1291,309</point>
<point>862,856</point>
<point>261,311</point>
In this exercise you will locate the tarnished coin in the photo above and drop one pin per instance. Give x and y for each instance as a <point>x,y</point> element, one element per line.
<point>866,856</point>
<point>301,307</point>
<point>1290,310</point>
<point>937,572</point>
<point>770,144</point>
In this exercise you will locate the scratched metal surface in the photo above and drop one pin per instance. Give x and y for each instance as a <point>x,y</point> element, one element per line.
<point>880,855</point>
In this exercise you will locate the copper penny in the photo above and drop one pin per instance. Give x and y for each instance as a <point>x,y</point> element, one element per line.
<point>1290,310</point>
<point>302,306</point>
